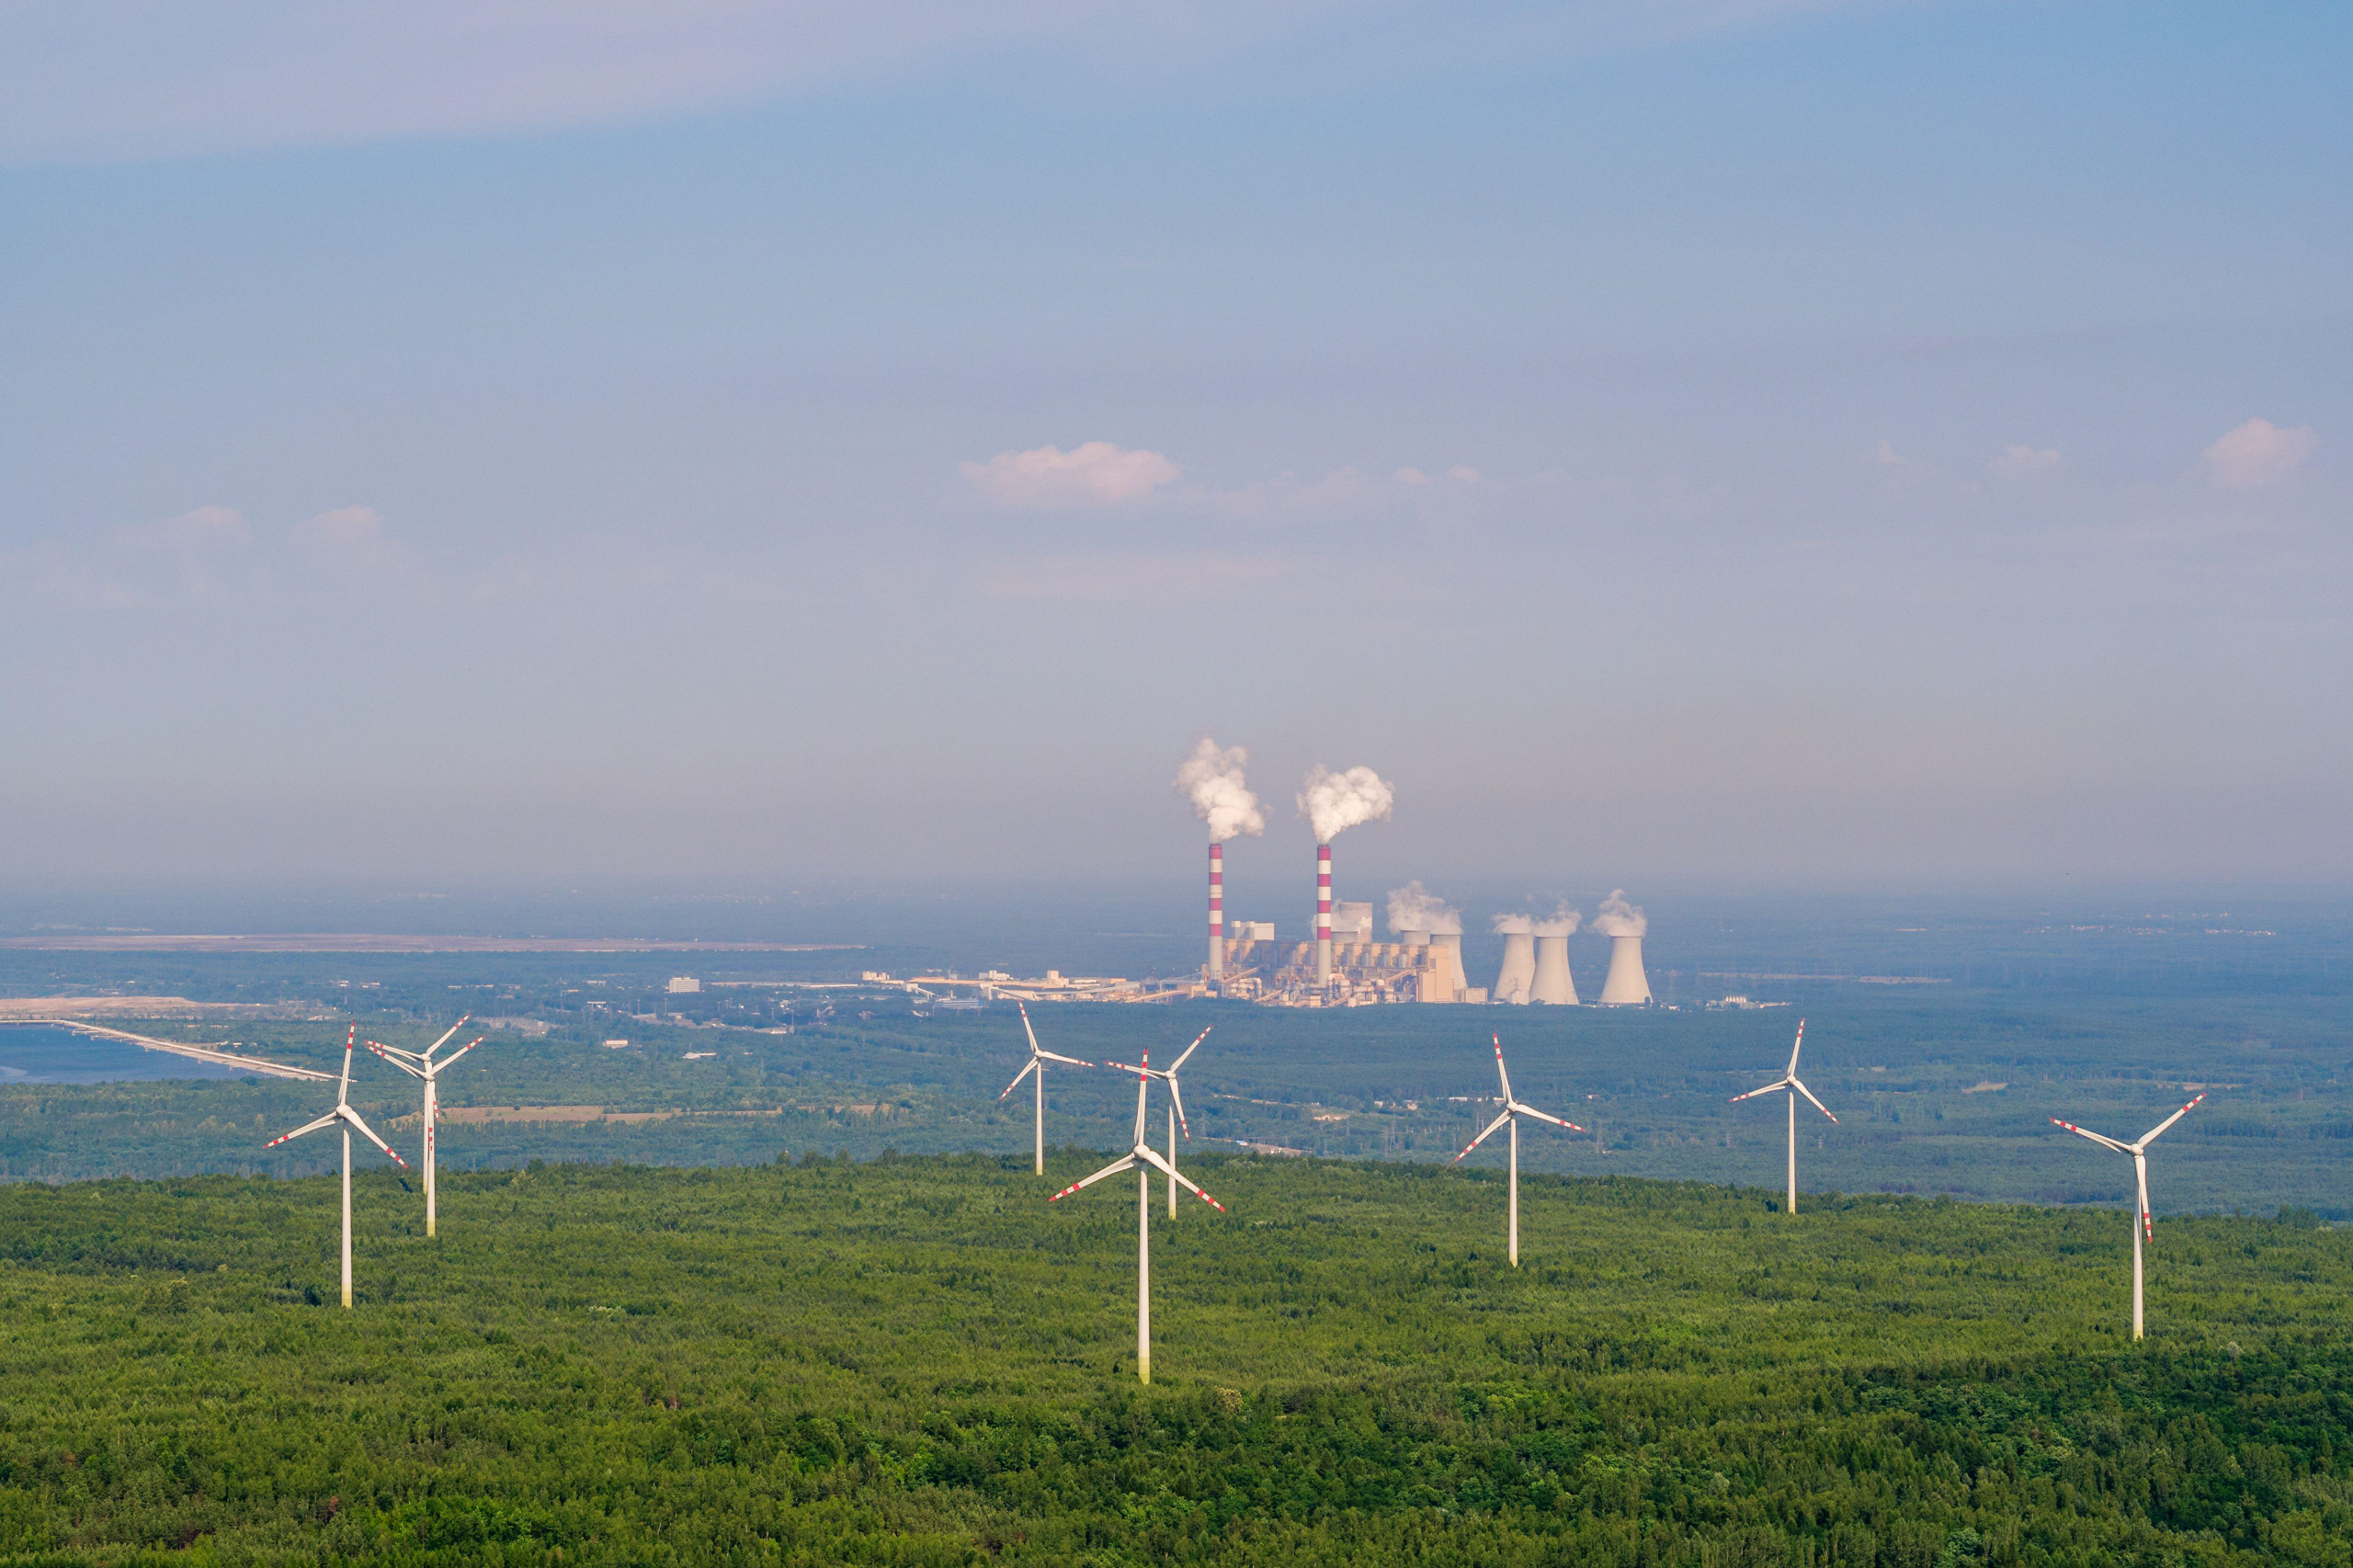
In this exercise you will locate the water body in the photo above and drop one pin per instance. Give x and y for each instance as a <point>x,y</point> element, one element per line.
<point>43,1053</point>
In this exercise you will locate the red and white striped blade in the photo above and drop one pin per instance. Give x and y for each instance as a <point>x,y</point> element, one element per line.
<point>1124,1163</point>
<point>2103,1142</point>
<point>346,1114</point>
<point>326,1120</point>
<point>1153,1158</point>
<point>1809,1095</point>
<point>1177,1065</point>
<point>1483,1137</point>
<point>1518,1109</point>
<point>2168,1121</point>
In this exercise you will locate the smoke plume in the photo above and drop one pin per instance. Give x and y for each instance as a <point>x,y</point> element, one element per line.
<point>1336,801</point>
<point>1616,917</point>
<point>1563,922</point>
<point>1212,776</point>
<point>1414,908</point>
<point>1514,925</point>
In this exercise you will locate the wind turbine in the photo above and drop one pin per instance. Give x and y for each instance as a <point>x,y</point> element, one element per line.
<point>420,1064</point>
<point>1513,1110</point>
<point>1037,1064</point>
<point>2141,1225</point>
<point>1789,1080</point>
<point>1136,1159</point>
<point>349,1118</point>
<point>1175,1104</point>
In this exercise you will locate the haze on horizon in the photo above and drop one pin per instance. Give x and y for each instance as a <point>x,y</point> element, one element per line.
<point>1843,442</point>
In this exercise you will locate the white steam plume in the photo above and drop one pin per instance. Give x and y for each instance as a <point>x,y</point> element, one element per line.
<point>1336,801</point>
<point>1514,925</point>
<point>1212,776</point>
<point>1616,917</point>
<point>1563,922</point>
<point>1414,908</point>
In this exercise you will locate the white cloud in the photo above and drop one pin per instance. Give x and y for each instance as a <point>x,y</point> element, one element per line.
<point>348,542</point>
<point>2023,462</point>
<point>1898,469</point>
<point>1464,475</point>
<point>1342,492</point>
<point>1095,475</point>
<point>2258,453</point>
<point>141,78</point>
<point>204,551</point>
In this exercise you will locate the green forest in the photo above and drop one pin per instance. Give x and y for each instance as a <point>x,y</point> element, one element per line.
<point>1937,1091</point>
<point>915,1361</point>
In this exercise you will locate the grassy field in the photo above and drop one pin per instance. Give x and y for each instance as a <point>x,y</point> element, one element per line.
<point>919,1361</point>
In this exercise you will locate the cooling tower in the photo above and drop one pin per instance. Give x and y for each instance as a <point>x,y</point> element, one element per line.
<point>1446,951</point>
<point>1323,914</point>
<point>1515,981</point>
<point>1624,986</point>
<point>1553,983</point>
<point>1217,911</point>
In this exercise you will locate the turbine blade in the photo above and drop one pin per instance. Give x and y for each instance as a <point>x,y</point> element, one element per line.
<point>1768,1089</point>
<point>460,1051</point>
<point>1544,1115</point>
<point>345,1113</point>
<point>1124,1163</point>
<point>1065,1061</point>
<point>2141,1174</point>
<point>1027,1068</point>
<point>1795,1049</point>
<point>1809,1095</point>
<point>1026,1029</point>
<point>1499,1068</point>
<point>1483,1137</point>
<point>1176,1098</point>
<point>2083,1132</point>
<point>396,1057</point>
<point>326,1120</point>
<point>1179,1063</point>
<point>349,1039</point>
<point>1181,1178</point>
<point>2150,1135</point>
<point>445,1038</point>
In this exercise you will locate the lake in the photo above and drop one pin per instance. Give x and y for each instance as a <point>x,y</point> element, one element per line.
<point>43,1053</point>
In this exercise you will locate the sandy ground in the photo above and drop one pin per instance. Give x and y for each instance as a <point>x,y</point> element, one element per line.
<point>133,1007</point>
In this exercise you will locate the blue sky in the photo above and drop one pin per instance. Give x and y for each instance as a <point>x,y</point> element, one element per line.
<point>1816,443</point>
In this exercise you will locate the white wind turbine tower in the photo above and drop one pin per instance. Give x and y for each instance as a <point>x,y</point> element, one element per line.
<point>1176,1104</point>
<point>2141,1225</point>
<point>349,1117</point>
<point>1136,1159</point>
<point>420,1064</point>
<point>1513,1110</point>
<point>1789,1080</point>
<point>1037,1066</point>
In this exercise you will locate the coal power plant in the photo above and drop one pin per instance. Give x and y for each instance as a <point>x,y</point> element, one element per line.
<point>1337,960</point>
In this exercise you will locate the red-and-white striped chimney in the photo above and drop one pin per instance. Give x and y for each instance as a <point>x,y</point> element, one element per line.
<point>1322,915</point>
<point>1217,911</point>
